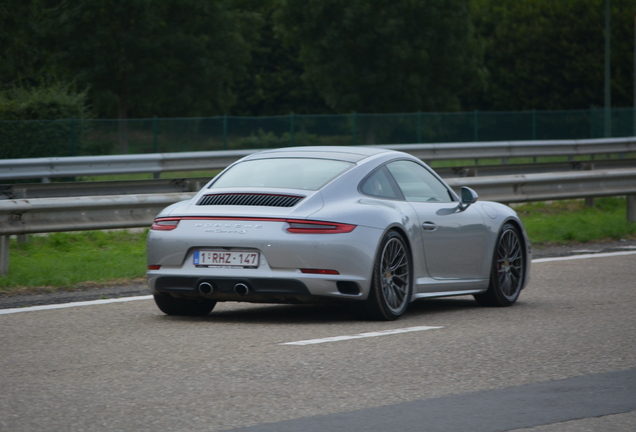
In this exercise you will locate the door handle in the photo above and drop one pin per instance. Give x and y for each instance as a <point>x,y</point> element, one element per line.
<point>429,226</point>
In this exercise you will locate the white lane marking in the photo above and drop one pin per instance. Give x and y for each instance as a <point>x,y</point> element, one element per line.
<point>361,335</point>
<point>127,299</point>
<point>575,257</point>
<point>75,304</point>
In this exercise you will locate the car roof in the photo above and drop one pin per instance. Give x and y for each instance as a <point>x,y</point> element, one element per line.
<point>348,154</point>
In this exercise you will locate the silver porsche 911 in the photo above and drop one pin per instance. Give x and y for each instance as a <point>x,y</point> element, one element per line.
<point>374,228</point>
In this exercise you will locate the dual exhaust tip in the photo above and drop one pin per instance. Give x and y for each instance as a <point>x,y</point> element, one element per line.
<point>206,289</point>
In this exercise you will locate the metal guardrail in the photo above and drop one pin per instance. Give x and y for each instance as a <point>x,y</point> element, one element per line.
<point>29,216</point>
<point>163,162</point>
<point>530,168</point>
<point>552,186</point>
<point>136,187</point>
<point>44,215</point>
<point>123,187</point>
<point>26,216</point>
<point>11,169</point>
<point>512,149</point>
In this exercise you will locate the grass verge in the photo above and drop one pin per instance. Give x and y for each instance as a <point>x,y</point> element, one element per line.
<point>561,222</point>
<point>75,260</point>
<point>71,261</point>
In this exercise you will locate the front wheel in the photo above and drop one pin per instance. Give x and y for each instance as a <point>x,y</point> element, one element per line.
<point>184,307</point>
<point>508,270</point>
<point>391,285</point>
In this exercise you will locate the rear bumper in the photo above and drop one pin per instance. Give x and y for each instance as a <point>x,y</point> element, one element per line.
<point>252,289</point>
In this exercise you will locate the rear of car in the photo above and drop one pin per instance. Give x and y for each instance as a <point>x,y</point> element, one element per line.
<point>249,236</point>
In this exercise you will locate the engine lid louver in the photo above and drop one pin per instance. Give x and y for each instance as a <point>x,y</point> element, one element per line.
<point>244,199</point>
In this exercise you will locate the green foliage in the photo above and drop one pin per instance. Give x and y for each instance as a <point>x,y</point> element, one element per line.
<point>274,84</point>
<point>548,54</point>
<point>265,140</point>
<point>42,134</point>
<point>562,222</point>
<point>68,259</point>
<point>178,58</point>
<point>21,49</point>
<point>46,102</point>
<point>380,56</point>
<point>144,58</point>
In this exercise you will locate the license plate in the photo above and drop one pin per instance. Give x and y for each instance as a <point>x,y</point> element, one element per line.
<point>226,259</point>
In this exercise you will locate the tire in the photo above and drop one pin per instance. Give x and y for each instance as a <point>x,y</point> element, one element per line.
<point>183,307</point>
<point>391,284</point>
<point>508,270</point>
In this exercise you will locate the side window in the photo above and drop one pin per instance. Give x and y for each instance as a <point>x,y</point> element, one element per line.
<point>417,183</point>
<point>378,185</point>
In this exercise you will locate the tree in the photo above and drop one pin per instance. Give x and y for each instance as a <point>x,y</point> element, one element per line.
<point>20,48</point>
<point>548,54</point>
<point>143,58</point>
<point>274,84</point>
<point>384,55</point>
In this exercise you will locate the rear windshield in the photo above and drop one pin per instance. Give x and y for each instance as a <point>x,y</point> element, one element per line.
<point>293,173</point>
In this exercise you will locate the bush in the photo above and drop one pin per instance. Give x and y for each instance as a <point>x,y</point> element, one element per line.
<point>267,140</point>
<point>34,122</point>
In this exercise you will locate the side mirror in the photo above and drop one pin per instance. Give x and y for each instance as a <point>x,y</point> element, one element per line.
<point>468,197</point>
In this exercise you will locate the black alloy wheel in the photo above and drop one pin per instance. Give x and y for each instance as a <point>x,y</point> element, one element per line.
<point>391,286</point>
<point>508,270</point>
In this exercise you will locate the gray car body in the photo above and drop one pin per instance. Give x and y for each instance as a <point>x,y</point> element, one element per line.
<point>451,245</point>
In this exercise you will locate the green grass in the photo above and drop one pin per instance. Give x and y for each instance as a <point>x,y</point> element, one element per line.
<point>562,222</point>
<point>74,260</point>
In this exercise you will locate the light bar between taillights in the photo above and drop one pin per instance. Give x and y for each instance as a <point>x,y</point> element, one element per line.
<point>296,226</point>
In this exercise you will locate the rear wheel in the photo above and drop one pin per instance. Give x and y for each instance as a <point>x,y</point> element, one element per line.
<point>185,307</point>
<point>391,286</point>
<point>507,272</point>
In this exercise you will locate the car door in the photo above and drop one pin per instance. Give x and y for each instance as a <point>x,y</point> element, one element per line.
<point>453,237</point>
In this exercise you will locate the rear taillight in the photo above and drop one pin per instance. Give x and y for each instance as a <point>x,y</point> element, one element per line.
<point>316,227</point>
<point>165,224</point>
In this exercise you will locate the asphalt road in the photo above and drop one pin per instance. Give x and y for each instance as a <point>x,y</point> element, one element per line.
<point>562,359</point>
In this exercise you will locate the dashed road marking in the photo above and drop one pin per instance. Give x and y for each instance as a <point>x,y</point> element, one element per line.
<point>361,335</point>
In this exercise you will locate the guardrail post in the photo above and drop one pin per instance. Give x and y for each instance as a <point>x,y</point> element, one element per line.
<point>589,201</point>
<point>4,255</point>
<point>22,194</point>
<point>631,208</point>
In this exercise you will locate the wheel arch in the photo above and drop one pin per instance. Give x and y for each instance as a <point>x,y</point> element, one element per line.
<point>402,232</point>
